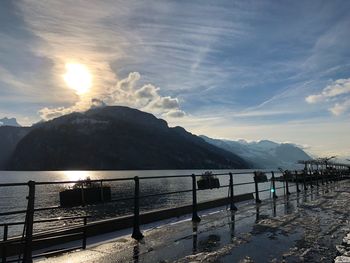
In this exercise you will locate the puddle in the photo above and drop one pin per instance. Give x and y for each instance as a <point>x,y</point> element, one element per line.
<point>265,247</point>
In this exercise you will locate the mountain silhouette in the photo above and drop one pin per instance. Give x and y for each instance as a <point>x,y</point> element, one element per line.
<point>116,138</point>
<point>9,138</point>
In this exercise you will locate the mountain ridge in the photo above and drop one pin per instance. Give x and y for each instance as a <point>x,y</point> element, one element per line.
<point>116,138</point>
<point>263,154</point>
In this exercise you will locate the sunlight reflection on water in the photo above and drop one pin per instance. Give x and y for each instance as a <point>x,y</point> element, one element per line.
<point>77,175</point>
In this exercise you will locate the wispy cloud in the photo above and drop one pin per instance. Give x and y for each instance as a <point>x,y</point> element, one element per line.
<point>337,93</point>
<point>114,40</point>
<point>341,107</point>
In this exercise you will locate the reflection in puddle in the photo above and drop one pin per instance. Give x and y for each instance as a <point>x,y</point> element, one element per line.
<point>136,252</point>
<point>274,212</point>
<point>232,225</point>
<point>288,207</point>
<point>194,237</point>
<point>210,243</point>
<point>260,216</point>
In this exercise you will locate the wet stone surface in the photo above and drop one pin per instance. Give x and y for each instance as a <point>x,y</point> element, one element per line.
<point>305,227</point>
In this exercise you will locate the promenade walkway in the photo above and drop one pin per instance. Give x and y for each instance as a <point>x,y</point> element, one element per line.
<point>305,227</point>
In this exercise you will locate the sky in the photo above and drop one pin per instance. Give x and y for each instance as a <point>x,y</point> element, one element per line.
<point>277,70</point>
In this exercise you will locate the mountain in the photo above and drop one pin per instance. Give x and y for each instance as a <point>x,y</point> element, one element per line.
<point>263,154</point>
<point>9,122</point>
<point>9,138</point>
<point>115,138</point>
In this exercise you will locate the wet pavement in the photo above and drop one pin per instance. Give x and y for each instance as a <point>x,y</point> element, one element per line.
<point>304,227</point>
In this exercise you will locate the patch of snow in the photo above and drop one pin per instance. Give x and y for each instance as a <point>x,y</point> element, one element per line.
<point>342,259</point>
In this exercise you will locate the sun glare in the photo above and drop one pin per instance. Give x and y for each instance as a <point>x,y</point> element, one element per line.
<point>76,175</point>
<point>78,78</point>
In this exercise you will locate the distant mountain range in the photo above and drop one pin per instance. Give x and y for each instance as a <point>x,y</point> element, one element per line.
<point>117,137</point>
<point>9,122</point>
<point>111,138</point>
<point>263,154</point>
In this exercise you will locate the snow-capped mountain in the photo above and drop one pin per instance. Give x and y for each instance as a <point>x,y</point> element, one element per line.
<point>263,154</point>
<point>9,122</point>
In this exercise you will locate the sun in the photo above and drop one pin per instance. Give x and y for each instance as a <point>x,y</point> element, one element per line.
<point>78,78</point>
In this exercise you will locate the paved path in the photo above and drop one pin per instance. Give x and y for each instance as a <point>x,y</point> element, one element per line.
<point>300,228</point>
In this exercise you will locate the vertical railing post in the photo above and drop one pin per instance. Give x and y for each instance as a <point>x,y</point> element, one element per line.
<point>316,173</point>
<point>195,217</point>
<point>257,218</point>
<point>4,252</point>
<point>102,191</point>
<point>322,177</point>
<point>27,255</point>
<point>304,179</point>
<point>82,194</point>
<point>84,233</point>
<point>257,199</point>
<point>232,203</point>
<point>332,176</point>
<point>286,182</point>
<point>338,175</point>
<point>297,181</point>
<point>136,234</point>
<point>311,184</point>
<point>274,194</point>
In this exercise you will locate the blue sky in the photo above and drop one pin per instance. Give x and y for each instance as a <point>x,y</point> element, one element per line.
<point>276,70</point>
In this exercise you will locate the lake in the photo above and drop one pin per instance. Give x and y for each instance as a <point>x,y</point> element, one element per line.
<point>14,198</point>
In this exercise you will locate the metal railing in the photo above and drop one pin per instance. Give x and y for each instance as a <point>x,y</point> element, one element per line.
<point>300,179</point>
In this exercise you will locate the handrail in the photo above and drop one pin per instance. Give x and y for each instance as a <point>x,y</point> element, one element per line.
<point>92,181</point>
<point>127,179</point>
<point>141,178</point>
<point>13,184</point>
<point>46,220</point>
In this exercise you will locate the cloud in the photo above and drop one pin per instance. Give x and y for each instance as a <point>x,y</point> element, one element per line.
<point>338,92</point>
<point>166,103</point>
<point>262,113</point>
<point>51,113</point>
<point>147,92</point>
<point>125,92</point>
<point>97,103</point>
<point>176,114</point>
<point>338,87</point>
<point>314,98</point>
<point>340,108</point>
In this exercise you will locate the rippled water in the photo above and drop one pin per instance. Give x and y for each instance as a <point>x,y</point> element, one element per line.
<point>14,198</point>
